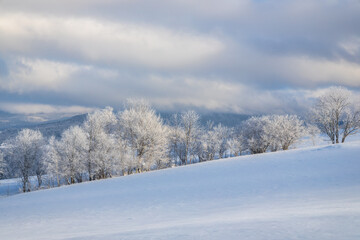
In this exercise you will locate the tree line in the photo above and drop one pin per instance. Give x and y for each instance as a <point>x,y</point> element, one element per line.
<point>137,139</point>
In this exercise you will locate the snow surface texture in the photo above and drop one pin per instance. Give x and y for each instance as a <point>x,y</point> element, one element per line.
<point>311,193</point>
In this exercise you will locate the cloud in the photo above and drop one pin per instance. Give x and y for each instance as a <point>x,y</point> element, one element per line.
<point>120,8</point>
<point>31,108</point>
<point>34,112</point>
<point>218,95</point>
<point>93,86</point>
<point>307,72</point>
<point>319,71</point>
<point>242,56</point>
<point>93,40</point>
<point>27,75</point>
<point>210,8</point>
<point>351,46</point>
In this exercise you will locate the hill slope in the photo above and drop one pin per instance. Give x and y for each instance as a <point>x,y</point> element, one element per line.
<point>311,193</point>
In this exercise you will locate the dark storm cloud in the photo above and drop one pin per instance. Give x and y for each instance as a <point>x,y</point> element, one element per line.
<point>214,55</point>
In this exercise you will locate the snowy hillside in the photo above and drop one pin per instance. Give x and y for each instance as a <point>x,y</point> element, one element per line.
<point>311,193</point>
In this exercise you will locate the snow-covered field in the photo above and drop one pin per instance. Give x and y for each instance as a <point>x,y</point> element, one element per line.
<point>310,193</point>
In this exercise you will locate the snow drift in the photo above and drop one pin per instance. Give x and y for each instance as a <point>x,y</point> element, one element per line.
<point>311,193</point>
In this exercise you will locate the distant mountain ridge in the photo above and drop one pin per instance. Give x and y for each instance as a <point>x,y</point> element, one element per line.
<point>50,128</point>
<point>56,127</point>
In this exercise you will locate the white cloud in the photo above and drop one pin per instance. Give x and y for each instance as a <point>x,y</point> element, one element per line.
<point>32,108</point>
<point>27,75</point>
<point>215,95</point>
<point>34,112</point>
<point>351,46</point>
<point>313,71</point>
<point>100,41</point>
<point>244,56</point>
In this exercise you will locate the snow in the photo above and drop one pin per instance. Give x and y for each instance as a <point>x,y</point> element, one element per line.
<point>310,193</point>
<point>13,186</point>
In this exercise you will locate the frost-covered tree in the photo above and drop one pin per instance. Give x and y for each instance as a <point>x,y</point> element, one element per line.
<point>284,131</point>
<point>234,146</point>
<point>200,147</point>
<point>126,162</point>
<point>222,134</point>
<point>201,144</point>
<point>191,127</point>
<point>106,156</point>
<point>52,160</point>
<point>236,143</point>
<point>25,156</point>
<point>98,127</point>
<point>2,165</point>
<point>313,132</point>
<point>257,140</point>
<point>145,134</point>
<point>176,137</point>
<point>71,150</point>
<point>350,122</point>
<point>336,114</point>
<point>210,143</point>
<point>185,133</point>
<point>274,132</point>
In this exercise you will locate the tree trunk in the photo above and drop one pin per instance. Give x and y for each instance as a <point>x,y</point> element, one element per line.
<point>39,180</point>
<point>89,170</point>
<point>285,147</point>
<point>24,186</point>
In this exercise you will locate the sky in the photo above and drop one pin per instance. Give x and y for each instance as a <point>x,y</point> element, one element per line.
<point>249,57</point>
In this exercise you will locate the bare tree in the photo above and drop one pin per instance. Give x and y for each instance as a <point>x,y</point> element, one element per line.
<point>336,115</point>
